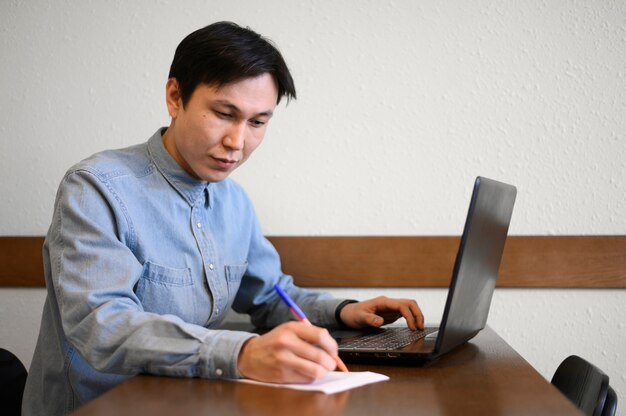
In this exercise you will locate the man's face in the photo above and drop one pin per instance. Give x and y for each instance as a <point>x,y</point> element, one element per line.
<point>219,127</point>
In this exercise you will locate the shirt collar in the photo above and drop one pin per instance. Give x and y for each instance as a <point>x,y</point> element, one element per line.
<point>188,187</point>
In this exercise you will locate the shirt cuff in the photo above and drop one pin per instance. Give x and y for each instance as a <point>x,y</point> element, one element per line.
<point>338,311</point>
<point>324,314</point>
<point>222,352</point>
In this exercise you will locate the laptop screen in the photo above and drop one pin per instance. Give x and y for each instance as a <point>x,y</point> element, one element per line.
<point>477,263</point>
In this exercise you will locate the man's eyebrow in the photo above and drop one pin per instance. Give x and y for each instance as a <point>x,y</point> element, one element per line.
<point>233,107</point>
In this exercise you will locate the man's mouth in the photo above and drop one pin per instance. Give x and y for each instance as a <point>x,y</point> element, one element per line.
<point>225,162</point>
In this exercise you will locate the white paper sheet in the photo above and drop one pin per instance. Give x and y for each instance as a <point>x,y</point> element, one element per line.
<point>334,382</point>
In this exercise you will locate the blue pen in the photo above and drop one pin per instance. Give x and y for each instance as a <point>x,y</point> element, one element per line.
<point>292,305</point>
<point>295,309</point>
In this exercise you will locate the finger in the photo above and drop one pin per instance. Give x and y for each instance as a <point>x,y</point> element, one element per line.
<point>314,354</point>
<point>404,311</point>
<point>372,320</point>
<point>314,344</point>
<point>413,315</point>
<point>417,313</point>
<point>295,369</point>
<point>303,370</point>
<point>319,337</point>
<point>392,309</point>
<point>318,357</point>
<point>380,311</point>
<point>408,315</point>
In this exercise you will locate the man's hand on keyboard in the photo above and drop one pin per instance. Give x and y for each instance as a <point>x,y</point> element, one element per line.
<point>380,311</point>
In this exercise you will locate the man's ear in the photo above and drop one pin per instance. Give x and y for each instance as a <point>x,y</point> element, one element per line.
<point>173,99</point>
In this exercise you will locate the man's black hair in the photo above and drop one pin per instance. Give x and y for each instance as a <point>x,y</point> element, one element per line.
<point>223,53</point>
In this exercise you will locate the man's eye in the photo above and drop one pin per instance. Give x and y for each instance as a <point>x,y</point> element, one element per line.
<point>223,115</point>
<point>257,123</point>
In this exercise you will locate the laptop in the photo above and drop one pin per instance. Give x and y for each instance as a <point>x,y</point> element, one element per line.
<point>469,295</point>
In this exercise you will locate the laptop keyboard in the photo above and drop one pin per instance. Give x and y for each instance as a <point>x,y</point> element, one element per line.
<point>391,338</point>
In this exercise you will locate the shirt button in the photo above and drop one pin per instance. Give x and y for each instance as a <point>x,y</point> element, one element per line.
<point>219,372</point>
<point>211,266</point>
<point>199,225</point>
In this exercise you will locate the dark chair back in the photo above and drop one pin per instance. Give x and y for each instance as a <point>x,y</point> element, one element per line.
<point>610,404</point>
<point>586,386</point>
<point>12,382</point>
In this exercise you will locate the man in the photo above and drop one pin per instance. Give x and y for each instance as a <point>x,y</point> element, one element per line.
<point>151,245</point>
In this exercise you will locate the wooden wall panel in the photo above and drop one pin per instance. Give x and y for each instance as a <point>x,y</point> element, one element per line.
<point>533,261</point>
<point>21,261</point>
<point>529,261</point>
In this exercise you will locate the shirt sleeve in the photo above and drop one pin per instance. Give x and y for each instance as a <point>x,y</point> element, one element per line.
<point>94,271</point>
<point>257,297</point>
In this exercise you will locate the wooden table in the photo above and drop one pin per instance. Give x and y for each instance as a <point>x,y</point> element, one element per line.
<point>484,377</point>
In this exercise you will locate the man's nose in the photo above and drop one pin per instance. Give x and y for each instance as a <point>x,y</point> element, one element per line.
<point>235,136</point>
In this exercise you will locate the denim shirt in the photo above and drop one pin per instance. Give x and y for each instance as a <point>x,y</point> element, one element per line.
<point>142,262</point>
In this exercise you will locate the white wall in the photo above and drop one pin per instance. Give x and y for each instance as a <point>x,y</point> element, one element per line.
<point>401,104</point>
